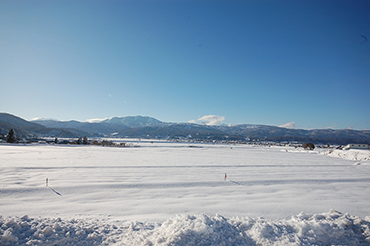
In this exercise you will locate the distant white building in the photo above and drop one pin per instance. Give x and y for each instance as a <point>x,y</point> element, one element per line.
<point>356,146</point>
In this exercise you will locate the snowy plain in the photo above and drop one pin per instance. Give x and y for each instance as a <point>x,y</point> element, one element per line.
<point>164,193</point>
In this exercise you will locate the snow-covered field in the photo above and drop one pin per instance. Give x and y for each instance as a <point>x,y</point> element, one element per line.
<point>176,194</point>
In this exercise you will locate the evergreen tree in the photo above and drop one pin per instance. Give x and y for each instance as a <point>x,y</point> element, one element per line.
<point>10,138</point>
<point>310,146</point>
<point>79,141</point>
<point>85,141</point>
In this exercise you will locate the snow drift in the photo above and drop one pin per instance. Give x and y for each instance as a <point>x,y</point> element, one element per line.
<point>332,228</point>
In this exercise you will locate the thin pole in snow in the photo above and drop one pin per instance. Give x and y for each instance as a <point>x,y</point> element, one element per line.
<point>47,182</point>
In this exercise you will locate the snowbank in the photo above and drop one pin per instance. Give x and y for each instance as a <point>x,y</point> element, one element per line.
<point>332,228</point>
<point>353,154</point>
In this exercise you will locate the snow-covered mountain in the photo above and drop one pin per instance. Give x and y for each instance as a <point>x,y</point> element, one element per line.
<point>135,121</point>
<point>105,127</point>
<point>148,127</point>
<point>25,129</point>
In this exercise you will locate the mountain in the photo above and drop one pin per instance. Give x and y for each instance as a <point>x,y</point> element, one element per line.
<point>25,129</point>
<point>21,126</point>
<point>148,127</point>
<point>105,127</point>
<point>275,133</point>
<point>89,129</point>
<point>135,121</point>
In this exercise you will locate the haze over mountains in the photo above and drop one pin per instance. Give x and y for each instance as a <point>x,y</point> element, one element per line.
<point>148,127</point>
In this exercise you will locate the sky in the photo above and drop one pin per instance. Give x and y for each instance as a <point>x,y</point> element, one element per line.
<point>300,64</point>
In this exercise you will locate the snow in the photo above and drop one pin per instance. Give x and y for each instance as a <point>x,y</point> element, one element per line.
<point>353,154</point>
<point>332,228</point>
<point>165,193</point>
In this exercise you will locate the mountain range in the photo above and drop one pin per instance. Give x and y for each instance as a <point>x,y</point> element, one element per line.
<point>148,127</point>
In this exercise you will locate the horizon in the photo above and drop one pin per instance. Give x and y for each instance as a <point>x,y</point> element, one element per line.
<point>208,123</point>
<point>302,65</point>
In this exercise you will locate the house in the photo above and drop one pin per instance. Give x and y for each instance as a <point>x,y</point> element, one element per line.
<point>356,146</point>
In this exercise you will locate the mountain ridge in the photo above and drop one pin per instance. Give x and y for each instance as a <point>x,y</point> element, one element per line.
<point>149,127</point>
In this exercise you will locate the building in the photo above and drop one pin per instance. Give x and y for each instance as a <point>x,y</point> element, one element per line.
<point>356,146</point>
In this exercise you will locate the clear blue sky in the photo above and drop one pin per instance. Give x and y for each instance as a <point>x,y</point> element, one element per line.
<point>258,62</point>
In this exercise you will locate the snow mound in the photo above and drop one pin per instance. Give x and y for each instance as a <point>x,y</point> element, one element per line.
<point>32,231</point>
<point>199,230</point>
<point>354,155</point>
<point>332,228</point>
